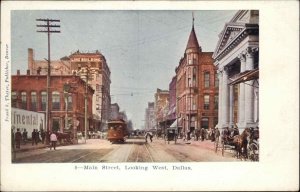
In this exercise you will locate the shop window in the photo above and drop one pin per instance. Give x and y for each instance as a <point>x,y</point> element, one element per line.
<point>204,123</point>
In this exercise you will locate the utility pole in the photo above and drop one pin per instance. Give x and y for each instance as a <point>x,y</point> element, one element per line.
<point>47,28</point>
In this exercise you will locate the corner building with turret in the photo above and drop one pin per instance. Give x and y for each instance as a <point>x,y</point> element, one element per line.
<point>196,89</point>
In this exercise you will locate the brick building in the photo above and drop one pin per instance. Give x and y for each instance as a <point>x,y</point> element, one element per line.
<point>82,64</point>
<point>196,88</point>
<point>29,92</point>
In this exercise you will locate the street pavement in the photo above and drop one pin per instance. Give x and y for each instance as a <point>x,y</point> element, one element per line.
<point>133,150</point>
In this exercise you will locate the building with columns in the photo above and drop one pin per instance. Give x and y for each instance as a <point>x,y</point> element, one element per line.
<point>237,59</point>
<point>196,88</point>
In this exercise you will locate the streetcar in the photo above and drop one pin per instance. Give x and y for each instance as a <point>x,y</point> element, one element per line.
<point>117,131</point>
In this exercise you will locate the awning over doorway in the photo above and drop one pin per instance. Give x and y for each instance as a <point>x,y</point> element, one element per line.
<point>174,124</point>
<point>246,76</point>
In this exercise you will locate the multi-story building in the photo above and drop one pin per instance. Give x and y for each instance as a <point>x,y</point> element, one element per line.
<point>196,88</point>
<point>161,105</point>
<point>29,92</point>
<point>150,116</point>
<point>92,65</point>
<point>236,57</point>
<point>114,111</point>
<point>172,100</point>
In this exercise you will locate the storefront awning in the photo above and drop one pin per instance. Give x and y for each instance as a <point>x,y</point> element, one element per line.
<point>246,76</point>
<point>174,124</point>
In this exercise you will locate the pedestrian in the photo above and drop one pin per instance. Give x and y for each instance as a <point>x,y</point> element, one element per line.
<point>24,136</point>
<point>150,136</point>
<point>43,135</point>
<point>146,137</point>
<point>37,137</point>
<point>217,134</point>
<point>53,139</point>
<point>202,134</point>
<point>212,136</point>
<point>18,138</point>
<point>33,137</point>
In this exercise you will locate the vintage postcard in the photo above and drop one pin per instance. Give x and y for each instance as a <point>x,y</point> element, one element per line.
<point>159,96</point>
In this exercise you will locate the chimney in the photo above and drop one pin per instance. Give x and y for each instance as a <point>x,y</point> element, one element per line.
<point>28,72</point>
<point>30,59</point>
<point>18,72</point>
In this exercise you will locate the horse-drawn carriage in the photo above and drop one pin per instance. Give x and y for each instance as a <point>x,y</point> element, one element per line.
<point>232,140</point>
<point>171,135</point>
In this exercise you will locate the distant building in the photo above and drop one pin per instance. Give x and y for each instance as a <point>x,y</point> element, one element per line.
<point>237,59</point>
<point>161,105</point>
<point>150,116</point>
<point>95,67</point>
<point>114,111</point>
<point>58,67</point>
<point>172,100</point>
<point>29,92</point>
<point>196,88</point>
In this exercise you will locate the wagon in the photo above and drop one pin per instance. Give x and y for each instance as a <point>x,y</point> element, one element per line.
<point>171,135</point>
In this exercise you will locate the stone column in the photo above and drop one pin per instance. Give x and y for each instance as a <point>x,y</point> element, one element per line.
<point>225,98</point>
<point>241,107</point>
<point>249,90</point>
<point>220,123</point>
<point>231,104</point>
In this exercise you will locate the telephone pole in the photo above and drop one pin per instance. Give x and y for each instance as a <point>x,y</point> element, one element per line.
<point>47,27</point>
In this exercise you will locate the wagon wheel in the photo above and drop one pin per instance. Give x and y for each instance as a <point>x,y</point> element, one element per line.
<point>253,154</point>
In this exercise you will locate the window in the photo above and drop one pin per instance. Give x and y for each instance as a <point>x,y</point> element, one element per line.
<point>33,101</point>
<point>70,103</point>
<point>216,80</point>
<point>55,100</point>
<point>206,101</point>
<point>44,100</point>
<point>204,123</point>
<point>55,124</point>
<point>24,100</point>
<point>14,98</point>
<point>206,79</point>
<point>216,103</point>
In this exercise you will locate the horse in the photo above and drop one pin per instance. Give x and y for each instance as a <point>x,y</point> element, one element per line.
<point>240,142</point>
<point>64,138</point>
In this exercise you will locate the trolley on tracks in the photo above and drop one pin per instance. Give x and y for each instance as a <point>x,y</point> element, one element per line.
<point>117,131</point>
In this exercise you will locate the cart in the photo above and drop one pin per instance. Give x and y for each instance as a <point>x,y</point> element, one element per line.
<point>171,135</point>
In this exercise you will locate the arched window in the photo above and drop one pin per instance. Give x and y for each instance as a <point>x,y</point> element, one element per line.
<point>14,98</point>
<point>55,100</point>
<point>33,105</point>
<point>206,79</point>
<point>24,100</point>
<point>44,100</point>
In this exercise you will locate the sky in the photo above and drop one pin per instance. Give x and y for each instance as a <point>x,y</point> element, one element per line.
<point>142,48</point>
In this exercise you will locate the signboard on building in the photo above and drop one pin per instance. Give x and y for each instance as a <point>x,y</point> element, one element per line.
<point>29,120</point>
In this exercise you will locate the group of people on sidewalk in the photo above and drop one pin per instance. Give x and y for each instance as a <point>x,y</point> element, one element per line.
<point>18,137</point>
